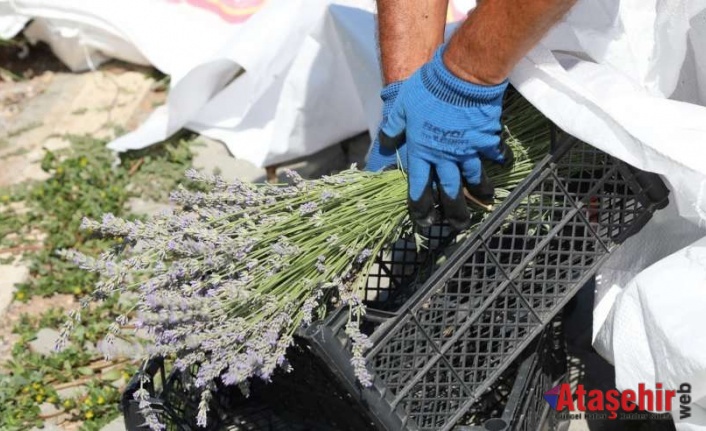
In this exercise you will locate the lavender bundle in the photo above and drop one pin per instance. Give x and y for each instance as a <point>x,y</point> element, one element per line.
<point>224,281</point>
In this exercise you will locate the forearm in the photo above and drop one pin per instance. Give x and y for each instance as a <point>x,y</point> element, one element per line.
<point>497,34</point>
<point>409,32</point>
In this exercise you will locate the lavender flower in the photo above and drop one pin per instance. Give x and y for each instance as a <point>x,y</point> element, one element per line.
<point>89,225</point>
<point>283,248</point>
<point>294,176</point>
<point>308,208</point>
<point>230,273</point>
<point>202,416</point>
<point>320,267</point>
<point>328,195</point>
<point>62,341</point>
<point>364,255</point>
<point>152,421</point>
<point>142,396</point>
<point>318,219</point>
<point>309,305</point>
<point>360,343</point>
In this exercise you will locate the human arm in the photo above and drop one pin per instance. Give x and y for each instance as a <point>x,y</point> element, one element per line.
<point>497,34</point>
<point>409,32</point>
<point>448,112</point>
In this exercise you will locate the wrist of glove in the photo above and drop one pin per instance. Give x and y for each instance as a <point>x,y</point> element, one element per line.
<point>447,126</point>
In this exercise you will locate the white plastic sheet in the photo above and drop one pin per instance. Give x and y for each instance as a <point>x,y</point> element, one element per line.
<point>655,336</point>
<point>172,35</point>
<point>10,25</point>
<point>293,96</point>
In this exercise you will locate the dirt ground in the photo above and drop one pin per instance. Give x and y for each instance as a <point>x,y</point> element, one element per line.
<point>37,305</point>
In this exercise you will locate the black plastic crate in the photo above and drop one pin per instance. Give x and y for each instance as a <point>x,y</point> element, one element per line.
<point>309,399</point>
<point>171,396</point>
<point>525,408</point>
<point>443,335</point>
<point>515,400</point>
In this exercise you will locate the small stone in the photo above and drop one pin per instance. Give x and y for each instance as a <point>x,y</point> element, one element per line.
<point>121,349</point>
<point>55,144</point>
<point>11,275</point>
<point>47,427</point>
<point>73,392</point>
<point>211,156</point>
<point>90,348</point>
<point>35,156</point>
<point>48,409</point>
<point>118,424</point>
<point>36,236</point>
<point>19,208</point>
<point>119,384</point>
<point>45,341</point>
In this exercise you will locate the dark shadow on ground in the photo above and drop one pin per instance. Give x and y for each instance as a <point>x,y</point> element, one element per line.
<point>26,60</point>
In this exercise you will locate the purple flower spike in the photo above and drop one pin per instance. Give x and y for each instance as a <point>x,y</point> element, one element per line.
<point>364,255</point>
<point>307,208</point>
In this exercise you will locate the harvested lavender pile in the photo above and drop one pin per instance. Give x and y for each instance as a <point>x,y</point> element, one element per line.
<point>225,281</point>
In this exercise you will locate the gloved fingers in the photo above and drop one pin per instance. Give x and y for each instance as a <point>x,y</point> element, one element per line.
<point>501,154</point>
<point>451,194</point>
<point>471,169</point>
<point>392,132</point>
<point>492,152</point>
<point>483,191</point>
<point>449,178</point>
<point>380,157</point>
<point>401,156</point>
<point>421,197</point>
<point>391,142</point>
<point>477,183</point>
<point>508,154</point>
<point>383,157</point>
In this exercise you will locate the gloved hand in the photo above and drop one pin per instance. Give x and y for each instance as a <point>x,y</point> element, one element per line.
<point>448,124</point>
<point>379,157</point>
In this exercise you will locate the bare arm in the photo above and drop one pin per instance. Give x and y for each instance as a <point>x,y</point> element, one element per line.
<point>409,32</point>
<point>497,34</point>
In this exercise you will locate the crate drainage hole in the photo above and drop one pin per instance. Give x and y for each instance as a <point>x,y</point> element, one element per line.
<point>495,425</point>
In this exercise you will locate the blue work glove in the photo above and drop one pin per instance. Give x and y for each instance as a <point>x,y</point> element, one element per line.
<point>448,125</point>
<point>379,157</point>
